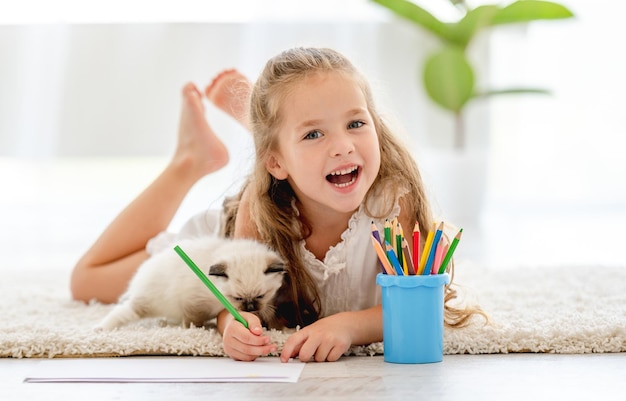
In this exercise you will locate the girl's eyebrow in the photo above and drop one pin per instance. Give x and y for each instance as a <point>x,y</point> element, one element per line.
<point>308,124</point>
<point>355,111</point>
<point>317,122</point>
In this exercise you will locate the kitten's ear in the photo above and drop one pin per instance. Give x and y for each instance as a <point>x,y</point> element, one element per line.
<point>218,269</point>
<point>277,267</point>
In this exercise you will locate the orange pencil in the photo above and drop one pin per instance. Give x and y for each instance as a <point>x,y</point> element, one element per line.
<point>382,257</point>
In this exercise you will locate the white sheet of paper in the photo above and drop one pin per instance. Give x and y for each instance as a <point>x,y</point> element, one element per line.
<point>164,370</point>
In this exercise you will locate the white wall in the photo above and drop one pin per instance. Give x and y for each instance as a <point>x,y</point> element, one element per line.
<point>113,89</point>
<point>567,148</point>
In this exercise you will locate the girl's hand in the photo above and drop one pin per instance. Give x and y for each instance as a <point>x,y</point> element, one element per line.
<point>325,340</point>
<point>245,344</point>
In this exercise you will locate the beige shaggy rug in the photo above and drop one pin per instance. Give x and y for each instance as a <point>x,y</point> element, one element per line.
<point>573,309</point>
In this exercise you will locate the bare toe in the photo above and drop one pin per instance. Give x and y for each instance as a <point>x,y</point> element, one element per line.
<point>230,92</point>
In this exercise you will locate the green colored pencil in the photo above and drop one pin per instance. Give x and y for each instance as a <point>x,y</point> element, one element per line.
<point>211,286</point>
<point>399,252</point>
<point>387,232</point>
<point>448,256</point>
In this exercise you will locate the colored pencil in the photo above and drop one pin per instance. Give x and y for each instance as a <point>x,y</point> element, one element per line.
<point>375,232</point>
<point>441,250</point>
<point>410,268</point>
<point>406,252</point>
<point>405,264</point>
<point>448,256</point>
<point>211,286</point>
<point>382,257</point>
<point>433,249</point>
<point>387,232</point>
<point>399,252</point>
<point>376,235</point>
<point>391,255</point>
<point>426,250</point>
<point>416,246</point>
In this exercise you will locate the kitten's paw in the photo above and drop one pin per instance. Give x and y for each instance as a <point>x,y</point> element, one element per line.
<point>104,325</point>
<point>119,316</point>
<point>107,324</point>
<point>98,328</point>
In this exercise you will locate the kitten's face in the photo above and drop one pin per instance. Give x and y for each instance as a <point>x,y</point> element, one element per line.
<point>249,277</point>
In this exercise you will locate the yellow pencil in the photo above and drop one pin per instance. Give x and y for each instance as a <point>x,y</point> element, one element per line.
<point>433,249</point>
<point>426,251</point>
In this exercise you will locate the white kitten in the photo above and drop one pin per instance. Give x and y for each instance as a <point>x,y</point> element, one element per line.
<point>248,274</point>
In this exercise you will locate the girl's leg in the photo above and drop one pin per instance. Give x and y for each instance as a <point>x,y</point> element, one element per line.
<point>105,269</point>
<point>230,92</point>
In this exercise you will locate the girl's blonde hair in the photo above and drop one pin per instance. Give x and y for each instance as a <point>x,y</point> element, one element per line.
<point>272,201</point>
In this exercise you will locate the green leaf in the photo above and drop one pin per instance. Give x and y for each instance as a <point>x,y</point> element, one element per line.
<point>416,15</point>
<point>462,32</point>
<point>531,10</point>
<point>449,78</point>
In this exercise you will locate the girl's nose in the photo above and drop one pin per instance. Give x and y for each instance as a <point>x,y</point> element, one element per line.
<point>341,144</point>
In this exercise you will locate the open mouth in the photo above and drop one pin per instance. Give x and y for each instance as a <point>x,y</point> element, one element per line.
<point>343,178</point>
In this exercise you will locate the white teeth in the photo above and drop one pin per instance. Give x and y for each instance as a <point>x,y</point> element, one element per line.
<point>345,184</point>
<point>344,171</point>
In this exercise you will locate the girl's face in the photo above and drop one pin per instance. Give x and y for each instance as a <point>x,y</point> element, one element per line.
<point>327,145</point>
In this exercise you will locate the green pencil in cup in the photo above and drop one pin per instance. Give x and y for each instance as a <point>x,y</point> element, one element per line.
<point>211,286</point>
<point>448,256</point>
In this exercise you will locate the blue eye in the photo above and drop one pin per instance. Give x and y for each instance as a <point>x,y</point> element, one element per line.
<point>355,124</point>
<point>313,134</point>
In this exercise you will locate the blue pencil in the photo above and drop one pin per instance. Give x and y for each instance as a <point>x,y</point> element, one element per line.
<point>433,249</point>
<point>391,255</point>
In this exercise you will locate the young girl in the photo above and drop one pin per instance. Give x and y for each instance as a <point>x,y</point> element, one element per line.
<point>327,166</point>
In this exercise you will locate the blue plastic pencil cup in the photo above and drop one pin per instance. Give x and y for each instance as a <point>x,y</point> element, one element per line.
<point>413,317</point>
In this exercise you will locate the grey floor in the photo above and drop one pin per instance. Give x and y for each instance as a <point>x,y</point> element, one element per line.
<point>458,377</point>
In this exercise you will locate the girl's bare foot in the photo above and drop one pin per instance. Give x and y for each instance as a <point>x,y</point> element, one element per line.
<point>198,147</point>
<point>230,91</point>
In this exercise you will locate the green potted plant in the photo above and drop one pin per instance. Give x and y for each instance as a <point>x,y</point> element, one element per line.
<point>447,74</point>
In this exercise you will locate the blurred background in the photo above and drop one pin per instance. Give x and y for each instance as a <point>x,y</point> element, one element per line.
<point>90,96</point>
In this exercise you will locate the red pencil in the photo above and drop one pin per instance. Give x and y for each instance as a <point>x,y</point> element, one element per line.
<point>416,246</point>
